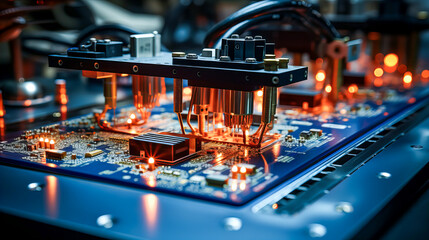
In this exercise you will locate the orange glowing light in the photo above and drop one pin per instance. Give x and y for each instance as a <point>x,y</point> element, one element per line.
<point>425,74</point>
<point>27,103</point>
<point>52,141</point>
<point>275,206</point>
<point>51,195</point>
<point>259,93</point>
<point>408,77</point>
<point>305,105</point>
<point>378,72</point>
<point>378,82</point>
<point>373,36</point>
<point>320,76</point>
<point>1,113</point>
<point>391,60</point>
<point>52,165</point>
<point>63,99</point>
<point>129,121</point>
<point>187,91</point>
<point>132,116</point>
<point>412,100</point>
<point>328,88</point>
<point>242,170</point>
<point>343,111</point>
<point>234,168</point>
<point>151,160</point>
<point>150,210</point>
<point>319,61</point>
<point>41,139</point>
<point>46,140</point>
<point>151,181</point>
<point>353,88</point>
<point>379,57</point>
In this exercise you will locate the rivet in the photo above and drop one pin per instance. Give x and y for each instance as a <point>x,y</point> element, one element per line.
<point>344,207</point>
<point>384,175</point>
<point>105,221</point>
<point>316,230</point>
<point>35,187</point>
<point>96,65</point>
<point>233,224</point>
<point>60,62</point>
<point>275,80</point>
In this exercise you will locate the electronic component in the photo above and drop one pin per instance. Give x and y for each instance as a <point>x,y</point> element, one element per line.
<point>216,180</point>
<point>93,153</point>
<point>55,154</point>
<point>164,148</point>
<point>145,45</point>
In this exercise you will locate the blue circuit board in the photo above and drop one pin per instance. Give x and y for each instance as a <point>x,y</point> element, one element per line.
<point>292,154</point>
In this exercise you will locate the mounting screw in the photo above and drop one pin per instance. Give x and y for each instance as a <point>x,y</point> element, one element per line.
<point>235,35</point>
<point>384,175</point>
<point>275,80</point>
<point>107,40</point>
<point>344,207</point>
<point>60,62</point>
<point>316,230</point>
<point>135,68</point>
<point>250,60</point>
<point>417,147</point>
<point>174,71</point>
<point>233,224</point>
<point>105,221</point>
<point>96,65</point>
<point>35,187</point>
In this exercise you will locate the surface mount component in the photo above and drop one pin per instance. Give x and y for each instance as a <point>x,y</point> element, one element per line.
<point>164,148</point>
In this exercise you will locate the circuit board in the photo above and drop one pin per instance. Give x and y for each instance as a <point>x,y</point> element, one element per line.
<point>303,139</point>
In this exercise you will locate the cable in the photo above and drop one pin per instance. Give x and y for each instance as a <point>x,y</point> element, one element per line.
<point>271,10</point>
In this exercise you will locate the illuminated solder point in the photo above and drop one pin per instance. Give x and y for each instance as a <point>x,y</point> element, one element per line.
<point>151,163</point>
<point>42,143</point>
<point>243,173</point>
<point>234,172</point>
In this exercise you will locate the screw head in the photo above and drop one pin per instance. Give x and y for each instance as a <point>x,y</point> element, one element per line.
<point>35,187</point>
<point>275,80</point>
<point>96,65</point>
<point>384,175</point>
<point>107,40</point>
<point>235,36</point>
<point>135,68</point>
<point>316,230</point>
<point>60,62</point>
<point>250,60</point>
<point>344,207</point>
<point>233,224</point>
<point>105,221</point>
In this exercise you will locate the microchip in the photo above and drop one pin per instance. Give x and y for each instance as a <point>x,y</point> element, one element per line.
<point>55,154</point>
<point>159,146</point>
<point>93,153</point>
<point>216,180</point>
<point>250,168</point>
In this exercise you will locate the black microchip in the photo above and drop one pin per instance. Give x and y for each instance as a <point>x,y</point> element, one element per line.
<point>217,180</point>
<point>159,146</point>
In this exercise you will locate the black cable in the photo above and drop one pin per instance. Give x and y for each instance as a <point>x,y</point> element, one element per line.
<point>271,8</point>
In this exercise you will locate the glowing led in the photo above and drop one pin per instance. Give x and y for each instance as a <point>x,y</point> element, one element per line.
<point>408,77</point>
<point>378,72</point>
<point>391,60</point>
<point>320,76</point>
<point>242,170</point>
<point>259,93</point>
<point>187,91</point>
<point>129,121</point>
<point>305,105</point>
<point>425,74</point>
<point>151,160</point>
<point>234,168</point>
<point>132,116</point>
<point>353,88</point>
<point>328,88</point>
<point>275,206</point>
<point>46,140</point>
